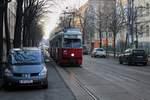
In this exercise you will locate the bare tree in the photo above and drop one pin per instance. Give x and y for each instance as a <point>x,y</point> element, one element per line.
<point>37,33</point>
<point>34,9</point>
<point>18,25</point>
<point>1,29</point>
<point>99,18</point>
<point>7,33</point>
<point>117,22</point>
<point>86,21</point>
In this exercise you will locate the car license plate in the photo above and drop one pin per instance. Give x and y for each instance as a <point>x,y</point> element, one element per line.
<point>139,56</point>
<point>26,81</point>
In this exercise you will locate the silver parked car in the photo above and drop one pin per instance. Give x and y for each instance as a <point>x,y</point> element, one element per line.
<point>25,67</point>
<point>98,52</point>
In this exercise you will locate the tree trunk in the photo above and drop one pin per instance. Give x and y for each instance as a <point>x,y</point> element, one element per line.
<point>1,30</point>
<point>18,26</point>
<point>29,36</point>
<point>114,46</point>
<point>100,36</point>
<point>100,31</point>
<point>7,30</point>
<point>25,39</point>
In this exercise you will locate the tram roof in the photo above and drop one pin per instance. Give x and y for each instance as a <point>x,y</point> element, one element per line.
<point>68,31</point>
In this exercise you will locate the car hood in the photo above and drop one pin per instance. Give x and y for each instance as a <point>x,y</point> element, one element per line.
<point>26,68</point>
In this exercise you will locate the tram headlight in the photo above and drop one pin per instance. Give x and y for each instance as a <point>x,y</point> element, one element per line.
<point>72,54</point>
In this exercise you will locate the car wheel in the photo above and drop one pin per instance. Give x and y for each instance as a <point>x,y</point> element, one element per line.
<point>121,62</point>
<point>130,63</point>
<point>145,63</point>
<point>6,86</point>
<point>45,86</point>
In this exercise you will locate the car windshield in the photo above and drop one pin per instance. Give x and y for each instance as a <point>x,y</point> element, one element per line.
<point>72,43</point>
<point>26,57</point>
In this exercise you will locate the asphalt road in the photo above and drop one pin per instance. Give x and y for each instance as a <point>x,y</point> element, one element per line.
<point>106,79</point>
<point>57,90</point>
<point>97,79</point>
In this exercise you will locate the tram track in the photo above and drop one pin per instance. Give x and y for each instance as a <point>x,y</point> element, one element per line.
<point>127,75</point>
<point>75,83</point>
<point>132,84</point>
<point>115,70</point>
<point>113,77</point>
<point>110,73</point>
<point>82,86</point>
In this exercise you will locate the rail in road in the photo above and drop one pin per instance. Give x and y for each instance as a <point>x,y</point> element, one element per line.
<point>113,70</point>
<point>100,76</point>
<point>80,91</point>
<point>134,79</point>
<point>82,86</point>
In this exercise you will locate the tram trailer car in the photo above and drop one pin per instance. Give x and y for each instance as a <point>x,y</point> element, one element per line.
<point>66,47</point>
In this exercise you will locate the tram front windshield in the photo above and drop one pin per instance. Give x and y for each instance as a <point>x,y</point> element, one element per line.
<point>72,43</point>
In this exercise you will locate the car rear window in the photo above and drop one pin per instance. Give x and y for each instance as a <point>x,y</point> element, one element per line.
<point>138,51</point>
<point>99,49</point>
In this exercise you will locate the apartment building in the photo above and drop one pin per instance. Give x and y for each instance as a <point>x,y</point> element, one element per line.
<point>143,23</point>
<point>96,7</point>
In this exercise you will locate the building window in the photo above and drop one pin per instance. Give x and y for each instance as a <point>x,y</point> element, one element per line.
<point>147,8</point>
<point>147,30</point>
<point>141,10</point>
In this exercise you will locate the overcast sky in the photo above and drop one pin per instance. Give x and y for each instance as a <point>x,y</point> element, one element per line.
<point>60,5</point>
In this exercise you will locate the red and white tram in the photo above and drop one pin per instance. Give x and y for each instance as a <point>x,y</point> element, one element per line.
<point>66,47</point>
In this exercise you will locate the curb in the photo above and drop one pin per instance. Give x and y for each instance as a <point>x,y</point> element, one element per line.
<point>78,92</point>
<point>63,75</point>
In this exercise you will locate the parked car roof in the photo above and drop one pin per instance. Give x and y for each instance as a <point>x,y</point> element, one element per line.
<point>25,48</point>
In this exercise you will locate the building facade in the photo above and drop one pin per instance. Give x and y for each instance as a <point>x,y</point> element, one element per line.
<point>11,17</point>
<point>100,10</point>
<point>143,23</point>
